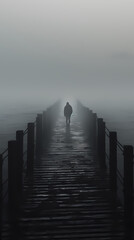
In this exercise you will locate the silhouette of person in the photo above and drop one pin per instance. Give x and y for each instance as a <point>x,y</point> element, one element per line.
<point>67,112</point>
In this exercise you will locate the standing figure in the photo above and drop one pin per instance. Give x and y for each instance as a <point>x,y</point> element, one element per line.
<point>67,112</point>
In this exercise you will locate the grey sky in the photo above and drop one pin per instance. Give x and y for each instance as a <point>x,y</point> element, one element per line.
<point>73,47</point>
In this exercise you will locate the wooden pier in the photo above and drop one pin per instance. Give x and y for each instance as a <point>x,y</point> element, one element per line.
<point>67,190</point>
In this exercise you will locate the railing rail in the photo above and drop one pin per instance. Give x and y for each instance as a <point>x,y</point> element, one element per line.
<point>21,152</point>
<point>4,156</point>
<point>98,133</point>
<point>120,147</point>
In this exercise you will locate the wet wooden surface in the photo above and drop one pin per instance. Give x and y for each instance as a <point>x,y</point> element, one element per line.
<point>68,195</point>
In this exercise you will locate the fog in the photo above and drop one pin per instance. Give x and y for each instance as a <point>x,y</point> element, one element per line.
<point>68,49</point>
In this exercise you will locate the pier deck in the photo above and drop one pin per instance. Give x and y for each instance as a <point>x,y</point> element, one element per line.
<point>68,195</point>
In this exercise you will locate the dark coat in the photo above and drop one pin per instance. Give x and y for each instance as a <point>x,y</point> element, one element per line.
<point>68,110</point>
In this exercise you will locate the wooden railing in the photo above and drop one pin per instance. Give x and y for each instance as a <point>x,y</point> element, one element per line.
<point>20,155</point>
<point>98,135</point>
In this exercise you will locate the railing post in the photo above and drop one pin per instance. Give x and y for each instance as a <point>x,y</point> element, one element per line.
<point>128,184</point>
<point>44,123</point>
<point>39,134</point>
<point>113,161</point>
<point>101,143</point>
<point>19,139</point>
<point>87,113</point>
<point>12,175</point>
<point>49,121</point>
<point>30,147</point>
<point>89,121</point>
<point>45,130</point>
<point>93,135</point>
<point>1,159</point>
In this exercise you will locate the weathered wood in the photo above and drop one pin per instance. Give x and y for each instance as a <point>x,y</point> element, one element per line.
<point>94,130</point>
<point>44,123</point>
<point>86,119</point>
<point>30,147</point>
<point>12,174</point>
<point>69,195</point>
<point>39,134</point>
<point>101,143</point>
<point>1,159</point>
<point>45,132</point>
<point>1,194</point>
<point>113,160</point>
<point>128,184</point>
<point>48,120</point>
<point>19,140</point>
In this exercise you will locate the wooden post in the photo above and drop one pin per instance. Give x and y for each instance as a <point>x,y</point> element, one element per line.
<point>49,121</point>
<point>39,130</point>
<point>128,185</point>
<point>12,174</point>
<point>44,125</point>
<point>30,148</point>
<point>101,143</point>
<point>113,160</point>
<point>94,123</point>
<point>1,159</point>
<point>19,140</point>
<point>87,122</point>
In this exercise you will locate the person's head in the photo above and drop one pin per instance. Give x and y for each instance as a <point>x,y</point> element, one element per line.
<point>67,103</point>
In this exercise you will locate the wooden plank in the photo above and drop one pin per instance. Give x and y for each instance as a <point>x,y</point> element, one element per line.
<point>69,196</point>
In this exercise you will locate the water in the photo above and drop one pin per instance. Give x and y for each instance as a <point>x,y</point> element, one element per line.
<point>122,121</point>
<point>15,119</point>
